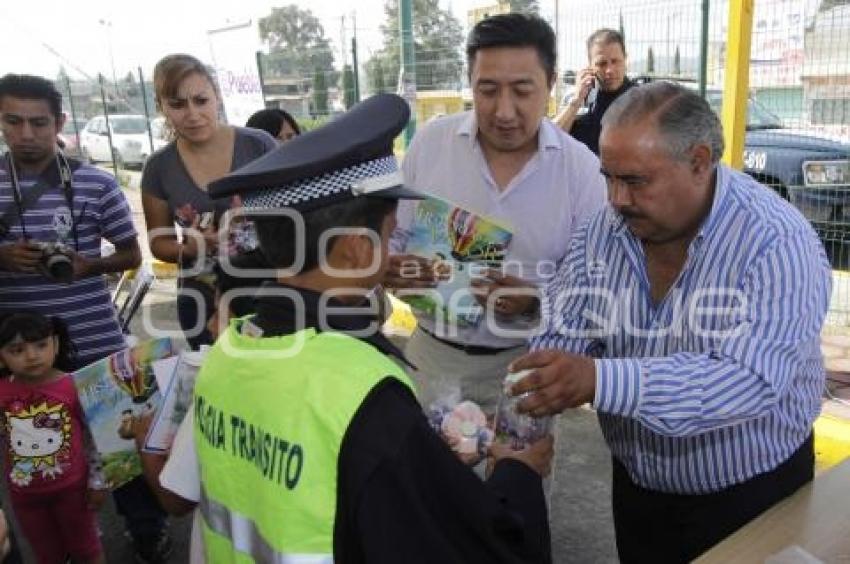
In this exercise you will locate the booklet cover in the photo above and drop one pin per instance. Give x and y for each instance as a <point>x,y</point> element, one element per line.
<point>111,391</point>
<point>463,245</point>
<point>176,400</point>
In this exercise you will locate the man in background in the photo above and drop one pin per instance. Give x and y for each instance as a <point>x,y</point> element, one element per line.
<point>603,81</point>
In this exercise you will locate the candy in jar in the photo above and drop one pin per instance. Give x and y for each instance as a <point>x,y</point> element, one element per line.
<point>518,429</point>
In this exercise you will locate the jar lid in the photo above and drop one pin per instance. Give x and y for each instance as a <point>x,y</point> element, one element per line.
<point>514,377</point>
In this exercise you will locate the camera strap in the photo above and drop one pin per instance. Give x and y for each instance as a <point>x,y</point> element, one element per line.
<point>22,202</point>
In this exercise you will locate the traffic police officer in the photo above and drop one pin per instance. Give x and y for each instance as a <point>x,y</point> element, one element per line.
<point>311,444</point>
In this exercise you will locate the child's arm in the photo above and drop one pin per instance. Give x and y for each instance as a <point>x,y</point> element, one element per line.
<point>152,465</point>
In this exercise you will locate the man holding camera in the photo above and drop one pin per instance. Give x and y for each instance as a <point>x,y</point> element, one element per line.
<point>54,211</point>
<point>603,81</point>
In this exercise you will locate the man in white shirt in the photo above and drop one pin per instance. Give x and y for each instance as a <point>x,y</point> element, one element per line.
<point>506,161</point>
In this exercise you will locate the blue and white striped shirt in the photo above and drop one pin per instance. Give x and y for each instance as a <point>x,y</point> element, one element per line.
<point>101,211</point>
<point>722,379</point>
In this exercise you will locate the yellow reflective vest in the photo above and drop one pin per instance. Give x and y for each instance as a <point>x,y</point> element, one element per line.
<point>270,416</point>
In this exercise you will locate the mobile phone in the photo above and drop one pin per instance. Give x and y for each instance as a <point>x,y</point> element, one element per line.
<point>594,92</point>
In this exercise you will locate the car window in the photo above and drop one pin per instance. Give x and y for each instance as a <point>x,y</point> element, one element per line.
<point>129,125</point>
<point>758,117</point>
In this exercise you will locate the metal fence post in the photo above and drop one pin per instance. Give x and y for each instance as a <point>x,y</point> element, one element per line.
<point>145,105</point>
<point>703,49</point>
<point>108,128</point>
<point>73,112</point>
<point>408,72</point>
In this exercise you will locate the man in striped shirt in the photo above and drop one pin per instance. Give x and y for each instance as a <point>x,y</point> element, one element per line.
<point>77,213</point>
<point>701,294</point>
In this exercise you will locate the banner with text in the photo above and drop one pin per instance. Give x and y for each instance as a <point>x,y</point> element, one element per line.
<point>234,56</point>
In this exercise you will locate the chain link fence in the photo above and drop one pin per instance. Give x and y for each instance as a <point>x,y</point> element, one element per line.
<point>798,124</point>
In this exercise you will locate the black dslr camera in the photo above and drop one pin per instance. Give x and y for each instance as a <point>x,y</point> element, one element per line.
<point>56,262</point>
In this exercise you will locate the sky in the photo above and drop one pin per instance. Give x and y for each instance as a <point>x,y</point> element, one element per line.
<point>39,35</point>
<point>86,36</point>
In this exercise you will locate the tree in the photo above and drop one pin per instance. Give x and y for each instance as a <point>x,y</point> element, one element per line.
<point>677,63</point>
<point>375,74</point>
<point>650,61</point>
<point>437,35</point>
<point>348,86</point>
<point>525,6</point>
<point>320,93</point>
<point>297,44</point>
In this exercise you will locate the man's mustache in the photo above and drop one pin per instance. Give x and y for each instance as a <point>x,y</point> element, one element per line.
<point>629,213</point>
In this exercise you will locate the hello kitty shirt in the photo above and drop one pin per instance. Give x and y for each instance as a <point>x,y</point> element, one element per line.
<point>43,432</point>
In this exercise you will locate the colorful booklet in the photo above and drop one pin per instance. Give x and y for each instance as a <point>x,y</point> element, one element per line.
<point>464,246</point>
<point>177,398</point>
<point>111,391</point>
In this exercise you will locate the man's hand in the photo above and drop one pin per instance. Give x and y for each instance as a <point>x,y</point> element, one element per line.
<point>513,296</point>
<point>586,81</point>
<point>20,256</point>
<point>96,498</point>
<point>411,271</point>
<point>560,380</point>
<point>83,266</point>
<point>537,455</point>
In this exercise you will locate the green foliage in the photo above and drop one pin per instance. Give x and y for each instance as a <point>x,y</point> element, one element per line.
<point>320,93</point>
<point>297,44</point>
<point>375,75</point>
<point>437,37</point>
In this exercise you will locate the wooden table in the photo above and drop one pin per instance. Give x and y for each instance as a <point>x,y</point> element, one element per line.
<point>816,518</point>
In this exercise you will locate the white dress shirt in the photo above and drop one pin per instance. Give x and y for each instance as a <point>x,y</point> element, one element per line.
<point>555,192</point>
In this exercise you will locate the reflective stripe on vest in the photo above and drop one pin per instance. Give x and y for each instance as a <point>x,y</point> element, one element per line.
<point>245,537</point>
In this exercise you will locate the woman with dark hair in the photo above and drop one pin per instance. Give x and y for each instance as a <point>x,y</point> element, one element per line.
<point>175,179</point>
<point>278,123</point>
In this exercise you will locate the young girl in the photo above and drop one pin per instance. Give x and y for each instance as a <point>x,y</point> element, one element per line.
<point>52,468</point>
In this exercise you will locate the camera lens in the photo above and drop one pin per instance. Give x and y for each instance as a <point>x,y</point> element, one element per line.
<point>59,267</point>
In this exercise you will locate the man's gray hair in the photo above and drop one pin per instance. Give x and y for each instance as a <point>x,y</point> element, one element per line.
<point>683,118</point>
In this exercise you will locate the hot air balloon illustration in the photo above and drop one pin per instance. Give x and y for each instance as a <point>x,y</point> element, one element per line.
<point>467,240</point>
<point>133,376</point>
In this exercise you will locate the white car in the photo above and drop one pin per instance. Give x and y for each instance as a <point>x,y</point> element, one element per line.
<point>161,136</point>
<point>130,141</point>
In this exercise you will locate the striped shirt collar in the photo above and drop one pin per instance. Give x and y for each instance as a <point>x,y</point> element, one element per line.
<point>547,137</point>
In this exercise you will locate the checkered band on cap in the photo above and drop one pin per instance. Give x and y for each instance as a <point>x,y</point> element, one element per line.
<point>319,187</point>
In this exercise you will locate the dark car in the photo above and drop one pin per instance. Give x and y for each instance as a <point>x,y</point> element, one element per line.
<point>812,171</point>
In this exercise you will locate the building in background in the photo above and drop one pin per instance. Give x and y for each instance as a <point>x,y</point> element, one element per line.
<point>826,71</point>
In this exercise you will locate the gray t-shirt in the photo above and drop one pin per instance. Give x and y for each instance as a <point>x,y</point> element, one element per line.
<point>165,176</point>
